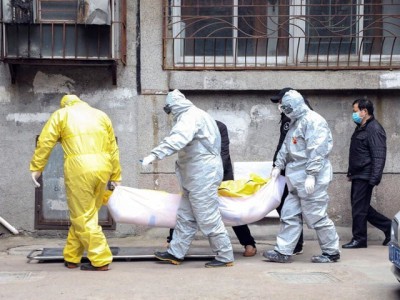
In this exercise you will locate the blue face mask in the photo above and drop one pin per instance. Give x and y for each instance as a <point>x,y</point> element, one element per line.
<point>357,118</point>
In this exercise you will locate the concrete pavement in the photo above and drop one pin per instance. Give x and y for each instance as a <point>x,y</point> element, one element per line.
<point>361,273</point>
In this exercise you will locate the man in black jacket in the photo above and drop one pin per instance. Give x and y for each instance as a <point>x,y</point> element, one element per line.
<point>242,231</point>
<point>285,121</point>
<point>366,162</point>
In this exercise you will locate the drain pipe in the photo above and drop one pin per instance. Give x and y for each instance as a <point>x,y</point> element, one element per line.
<point>8,226</point>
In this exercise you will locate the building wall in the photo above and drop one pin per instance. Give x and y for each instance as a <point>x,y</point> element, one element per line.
<point>240,99</point>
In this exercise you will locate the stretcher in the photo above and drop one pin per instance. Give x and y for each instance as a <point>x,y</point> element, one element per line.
<point>43,255</point>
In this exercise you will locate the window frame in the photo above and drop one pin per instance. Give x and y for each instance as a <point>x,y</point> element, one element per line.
<point>296,53</point>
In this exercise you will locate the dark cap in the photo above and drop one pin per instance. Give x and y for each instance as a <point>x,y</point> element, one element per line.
<point>281,93</point>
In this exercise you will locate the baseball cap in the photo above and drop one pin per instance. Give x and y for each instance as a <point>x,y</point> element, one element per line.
<point>281,93</point>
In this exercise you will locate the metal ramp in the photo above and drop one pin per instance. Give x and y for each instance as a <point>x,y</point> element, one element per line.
<point>119,254</point>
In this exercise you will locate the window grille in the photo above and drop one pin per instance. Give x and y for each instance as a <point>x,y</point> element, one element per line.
<point>72,32</point>
<point>285,34</point>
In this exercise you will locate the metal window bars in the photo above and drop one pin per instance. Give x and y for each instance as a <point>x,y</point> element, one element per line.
<point>285,34</point>
<point>52,39</point>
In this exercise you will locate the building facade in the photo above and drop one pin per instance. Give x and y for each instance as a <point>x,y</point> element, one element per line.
<point>227,56</point>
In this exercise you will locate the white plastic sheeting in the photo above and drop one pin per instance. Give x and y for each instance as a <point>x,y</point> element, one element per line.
<point>159,209</point>
<point>97,12</point>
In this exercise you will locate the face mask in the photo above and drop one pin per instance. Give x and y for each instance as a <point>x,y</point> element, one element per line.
<point>357,118</point>
<point>280,108</point>
<point>167,109</point>
<point>287,109</point>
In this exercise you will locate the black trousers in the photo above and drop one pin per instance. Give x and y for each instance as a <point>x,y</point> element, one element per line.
<point>299,245</point>
<point>242,232</point>
<point>362,211</point>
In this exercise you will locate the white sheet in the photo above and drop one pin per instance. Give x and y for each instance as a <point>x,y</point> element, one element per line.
<point>159,209</point>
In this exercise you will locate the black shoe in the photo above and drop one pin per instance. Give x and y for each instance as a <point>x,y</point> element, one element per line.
<point>165,256</point>
<point>387,236</point>
<point>90,267</point>
<point>216,263</point>
<point>325,258</point>
<point>386,241</point>
<point>354,244</point>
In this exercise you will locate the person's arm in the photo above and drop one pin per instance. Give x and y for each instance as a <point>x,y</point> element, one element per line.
<point>114,153</point>
<point>318,146</point>
<point>377,148</point>
<point>47,140</point>
<point>225,156</point>
<point>285,121</point>
<point>181,134</point>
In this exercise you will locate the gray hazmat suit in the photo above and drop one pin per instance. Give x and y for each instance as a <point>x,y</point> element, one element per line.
<point>305,152</point>
<point>196,138</point>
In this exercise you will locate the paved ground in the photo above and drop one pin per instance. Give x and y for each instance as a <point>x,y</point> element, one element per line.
<point>361,274</point>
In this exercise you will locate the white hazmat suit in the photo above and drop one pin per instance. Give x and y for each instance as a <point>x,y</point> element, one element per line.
<point>305,153</point>
<point>196,139</point>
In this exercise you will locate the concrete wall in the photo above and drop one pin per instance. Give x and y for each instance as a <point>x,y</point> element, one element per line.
<point>240,99</point>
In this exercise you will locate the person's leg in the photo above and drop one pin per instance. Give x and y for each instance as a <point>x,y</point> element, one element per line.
<point>244,236</point>
<point>361,192</point>
<point>245,239</point>
<point>171,233</point>
<point>185,229</point>
<point>73,249</point>
<point>85,198</point>
<point>290,227</point>
<point>299,246</point>
<point>204,201</point>
<point>379,221</point>
<point>315,215</point>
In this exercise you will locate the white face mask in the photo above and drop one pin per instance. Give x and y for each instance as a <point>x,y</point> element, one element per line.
<point>280,108</point>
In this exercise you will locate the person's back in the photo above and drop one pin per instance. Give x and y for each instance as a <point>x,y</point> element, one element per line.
<point>86,133</point>
<point>206,141</point>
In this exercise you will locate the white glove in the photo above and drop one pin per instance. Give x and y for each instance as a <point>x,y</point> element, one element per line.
<point>35,176</point>
<point>148,160</point>
<point>275,173</point>
<point>309,184</point>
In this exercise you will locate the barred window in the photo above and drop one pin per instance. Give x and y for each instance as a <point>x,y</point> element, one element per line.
<point>261,34</point>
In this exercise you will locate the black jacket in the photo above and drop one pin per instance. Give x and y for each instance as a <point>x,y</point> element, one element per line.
<point>367,154</point>
<point>225,156</point>
<point>285,122</point>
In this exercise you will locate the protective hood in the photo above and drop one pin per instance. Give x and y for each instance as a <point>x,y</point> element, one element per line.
<point>177,102</point>
<point>69,100</point>
<point>293,105</point>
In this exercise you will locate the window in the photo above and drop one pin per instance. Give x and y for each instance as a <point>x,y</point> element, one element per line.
<point>71,32</point>
<point>72,29</point>
<point>309,34</point>
<point>56,10</point>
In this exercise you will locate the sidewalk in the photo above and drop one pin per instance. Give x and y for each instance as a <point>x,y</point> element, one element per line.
<point>361,273</point>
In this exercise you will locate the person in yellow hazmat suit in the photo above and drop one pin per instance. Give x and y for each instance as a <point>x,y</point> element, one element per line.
<point>91,159</point>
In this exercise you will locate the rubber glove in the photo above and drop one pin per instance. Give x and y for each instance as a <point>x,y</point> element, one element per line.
<point>275,173</point>
<point>309,184</point>
<point>147,161</point>
<point>35,176</point>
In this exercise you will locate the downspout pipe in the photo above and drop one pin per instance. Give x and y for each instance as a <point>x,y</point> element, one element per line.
<point>8,226</point>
